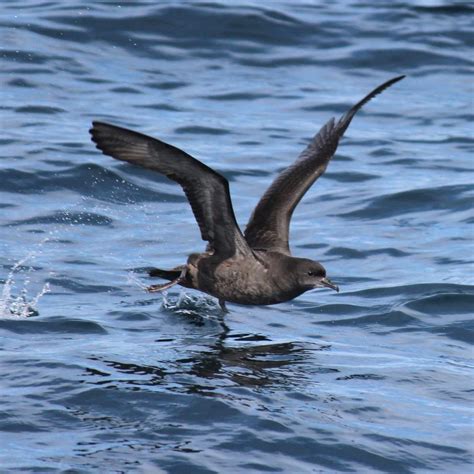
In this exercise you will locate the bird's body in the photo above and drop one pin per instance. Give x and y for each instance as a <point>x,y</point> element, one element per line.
<point>255,268</point>
<point>229,280</point>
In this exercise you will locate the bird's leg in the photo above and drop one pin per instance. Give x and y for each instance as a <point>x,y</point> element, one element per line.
<point>162,287</point>
<point>223,306</point>
<point>165,286</point>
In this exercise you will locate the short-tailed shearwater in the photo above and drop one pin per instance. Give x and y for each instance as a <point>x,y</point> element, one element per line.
<point>255,267</point>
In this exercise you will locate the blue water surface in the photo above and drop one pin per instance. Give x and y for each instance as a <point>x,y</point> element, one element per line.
<point>99,375</point>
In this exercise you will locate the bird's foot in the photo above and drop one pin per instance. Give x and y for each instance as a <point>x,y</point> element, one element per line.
<point>223,306</point>
<point>162,287</point>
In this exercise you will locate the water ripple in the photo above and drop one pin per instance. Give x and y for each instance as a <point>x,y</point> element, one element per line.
<point>102,373</point>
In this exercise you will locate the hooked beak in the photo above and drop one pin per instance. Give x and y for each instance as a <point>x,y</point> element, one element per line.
<point>328,283</point>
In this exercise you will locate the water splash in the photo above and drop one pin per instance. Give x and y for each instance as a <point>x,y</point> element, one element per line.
<point>132,278</point>
<point>205,307</point>
<point>21,306</point>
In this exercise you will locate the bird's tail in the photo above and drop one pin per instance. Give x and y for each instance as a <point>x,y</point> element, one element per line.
<point>166,274</point>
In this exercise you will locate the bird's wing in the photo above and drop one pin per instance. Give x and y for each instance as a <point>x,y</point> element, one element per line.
<point>206,190</point>
<point>268,227</point>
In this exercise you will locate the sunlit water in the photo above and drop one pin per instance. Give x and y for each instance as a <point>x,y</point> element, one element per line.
<point>98,375</point>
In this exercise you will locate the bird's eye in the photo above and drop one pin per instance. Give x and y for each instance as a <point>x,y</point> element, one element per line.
<point>311,274</point>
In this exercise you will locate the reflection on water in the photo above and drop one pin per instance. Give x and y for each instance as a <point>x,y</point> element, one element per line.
<point>210,367</point>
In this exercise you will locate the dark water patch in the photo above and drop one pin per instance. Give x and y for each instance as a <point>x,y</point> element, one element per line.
<point>250,337</point>
<point>462,331</point>
<point>165,107</point>
<point>451,139</point>
<point>67,217</point>
<point>199,130</point>
<point>8,141</point>
<point>468,117</point>
<point>350,177</point>
<point>334,108</point>
<point>335,456</point>
<point>23,56</point>
<point>63,33</point>
<point>344,252</point>
<point>166,85</point>
<point>313,246</point>
<point>455,261</point>
<point>237,96</point>
<point>77,287</point>
<point>275,129</point>
<point>266,63</point>
<point>73,145</point>
<point>30,71</point>
<point>457,8</point>
<point>95,80</point>
<point>21,82</point>
<point>102,407</point>
<point>383,151</point>
<point>21,269</point>
<point>137,375</point>
<point>249,143</point>
<point>88,180</point>
<point>341,157</point>
<point>182,25</point>
<point>13,426</point>
<point>390,318</point>
<point>408,162</point>
<point>134,317</point>
<point>442,198</point>
<point>60,326</point>
<point>396,58</point>
<point>81,262</point>
<point>39,109</point>
<point>442,304</point>
<point>432,447</point>
<point>362,377</point>
<point>125,90</point>
<point>407,291</point>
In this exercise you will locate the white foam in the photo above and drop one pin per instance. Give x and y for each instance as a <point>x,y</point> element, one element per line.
<point>23,305</point>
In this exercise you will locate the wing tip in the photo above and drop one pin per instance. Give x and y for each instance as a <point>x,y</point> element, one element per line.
<point>97,125</point>
<point>390,82</point>
<point>99,136</point>
<point>346,119</point>
<point>93,131</point>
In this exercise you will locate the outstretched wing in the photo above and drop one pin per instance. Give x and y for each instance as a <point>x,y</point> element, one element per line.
<point>206,190</point>
<point>268,227</point>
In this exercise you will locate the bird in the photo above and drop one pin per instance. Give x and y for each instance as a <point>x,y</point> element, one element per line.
<point>254,267</point>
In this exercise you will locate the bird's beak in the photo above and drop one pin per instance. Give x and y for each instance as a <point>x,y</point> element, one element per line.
<point>329,284</point>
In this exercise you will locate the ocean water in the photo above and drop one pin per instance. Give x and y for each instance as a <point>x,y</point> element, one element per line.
<point>99,375</point>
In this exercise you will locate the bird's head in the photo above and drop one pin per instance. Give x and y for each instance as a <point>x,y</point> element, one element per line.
<point>310,274</point>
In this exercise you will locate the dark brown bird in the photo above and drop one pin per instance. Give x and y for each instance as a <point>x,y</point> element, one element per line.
<point>255,268</point>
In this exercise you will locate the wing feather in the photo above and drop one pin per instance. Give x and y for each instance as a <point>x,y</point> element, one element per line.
<point>206,190</point>
<point>268,227</point>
